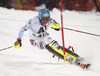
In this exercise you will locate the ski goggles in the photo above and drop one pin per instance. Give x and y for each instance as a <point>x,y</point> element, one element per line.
<point>45,18</point>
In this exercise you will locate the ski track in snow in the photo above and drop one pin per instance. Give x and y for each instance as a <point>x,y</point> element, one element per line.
<point>30,61</point>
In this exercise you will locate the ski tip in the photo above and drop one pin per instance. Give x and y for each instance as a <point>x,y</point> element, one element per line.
<point>87,66</point>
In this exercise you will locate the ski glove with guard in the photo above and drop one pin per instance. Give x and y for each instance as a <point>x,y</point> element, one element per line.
<point>55,26</point>
<point>18,43</point>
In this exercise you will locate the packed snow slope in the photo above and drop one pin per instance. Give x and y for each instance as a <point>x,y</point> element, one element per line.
<point>31,61</point>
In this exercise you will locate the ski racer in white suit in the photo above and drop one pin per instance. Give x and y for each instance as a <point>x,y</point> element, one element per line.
<point>38,30</point>
<point>39,37</point>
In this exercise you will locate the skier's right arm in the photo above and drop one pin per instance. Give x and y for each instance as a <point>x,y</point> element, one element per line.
<point>18,43</point>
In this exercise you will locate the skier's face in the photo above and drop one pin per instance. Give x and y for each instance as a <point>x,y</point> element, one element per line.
<point>44,20</point>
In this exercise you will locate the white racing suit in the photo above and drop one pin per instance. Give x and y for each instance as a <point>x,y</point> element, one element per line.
<point>38,33</point>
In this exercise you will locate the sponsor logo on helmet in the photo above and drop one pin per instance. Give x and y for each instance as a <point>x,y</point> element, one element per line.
<point>46,15</point>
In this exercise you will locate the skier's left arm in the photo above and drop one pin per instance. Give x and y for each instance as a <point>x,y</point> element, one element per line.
<point>55,25</point>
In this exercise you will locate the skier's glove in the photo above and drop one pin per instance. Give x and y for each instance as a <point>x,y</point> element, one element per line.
<point>18,43</point>
<point>55,26</point>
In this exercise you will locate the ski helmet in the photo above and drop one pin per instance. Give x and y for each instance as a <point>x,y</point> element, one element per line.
<point>43,13</point>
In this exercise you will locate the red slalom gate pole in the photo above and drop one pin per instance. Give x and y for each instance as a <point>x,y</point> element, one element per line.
<point>61,9</point>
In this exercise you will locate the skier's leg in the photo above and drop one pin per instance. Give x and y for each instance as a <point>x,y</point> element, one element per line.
<point>38,43</point>
<point>71,57</point>
<point>48,40</point>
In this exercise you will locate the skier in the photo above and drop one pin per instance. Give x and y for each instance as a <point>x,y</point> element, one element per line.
<point>40,37</point>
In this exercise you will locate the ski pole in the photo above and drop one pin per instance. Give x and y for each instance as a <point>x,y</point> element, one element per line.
<point>82,32</point>
<point>6,48</point>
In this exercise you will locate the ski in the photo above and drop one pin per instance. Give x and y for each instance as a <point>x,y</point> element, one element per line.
<point>85,66</point>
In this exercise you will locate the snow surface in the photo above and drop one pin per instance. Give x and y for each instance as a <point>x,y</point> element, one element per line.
<point>31,61</point>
